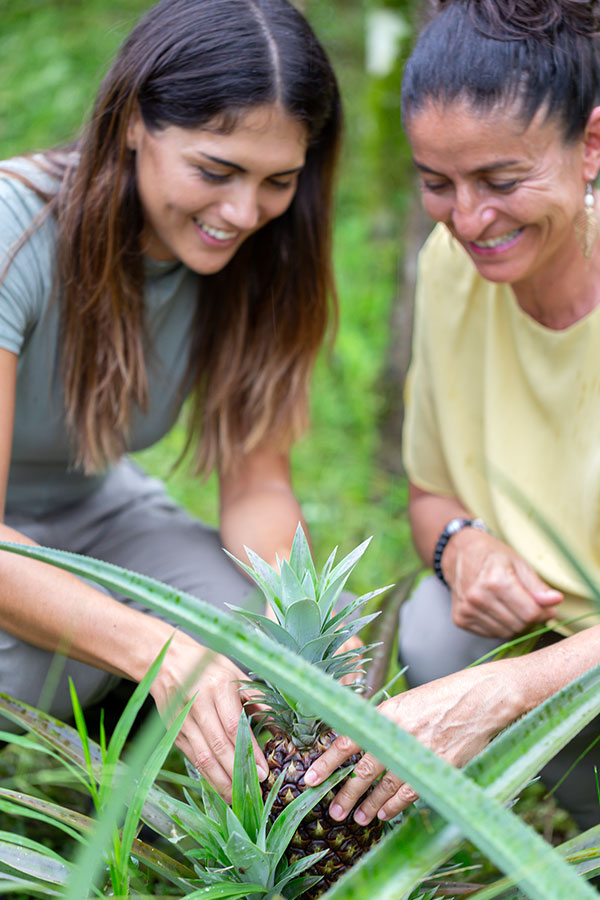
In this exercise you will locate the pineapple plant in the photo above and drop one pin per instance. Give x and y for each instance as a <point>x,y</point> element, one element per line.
<point>308,622</point>
<point>240,850</point>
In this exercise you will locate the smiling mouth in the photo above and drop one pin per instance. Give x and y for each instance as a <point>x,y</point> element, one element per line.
<point>218,234</point>
<point>500,240</point>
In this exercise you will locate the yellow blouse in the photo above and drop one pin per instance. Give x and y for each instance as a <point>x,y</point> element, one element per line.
<point>504,414</point>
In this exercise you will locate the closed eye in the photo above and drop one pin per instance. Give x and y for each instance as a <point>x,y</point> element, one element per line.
<point>213,177</point>
<point>434,185</point>
<point>282,185</point>
<point>502,186</point>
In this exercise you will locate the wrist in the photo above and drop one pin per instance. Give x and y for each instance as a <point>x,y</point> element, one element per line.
<point>448,533</point>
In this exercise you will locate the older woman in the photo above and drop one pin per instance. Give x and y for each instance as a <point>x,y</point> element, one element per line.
<point>500,104</point>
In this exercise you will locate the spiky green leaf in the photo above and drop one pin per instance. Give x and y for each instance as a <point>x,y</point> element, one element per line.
<point>303,622</point>
<point>301,559</point>
<point>269,627</point>
<point>247,802</point>
<point>286,823</point>
<point>292,589</point>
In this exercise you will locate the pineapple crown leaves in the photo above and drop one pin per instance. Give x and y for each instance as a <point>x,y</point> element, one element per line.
<point>238,852</point>
<point>303,603</point>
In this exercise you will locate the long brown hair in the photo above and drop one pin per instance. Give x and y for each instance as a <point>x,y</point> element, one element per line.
<point>261,319</point>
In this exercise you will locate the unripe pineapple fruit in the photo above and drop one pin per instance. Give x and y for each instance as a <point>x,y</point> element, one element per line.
<point>308,622</point>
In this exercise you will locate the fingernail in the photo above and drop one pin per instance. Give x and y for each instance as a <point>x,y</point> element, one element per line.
<point>261,773</point>
<point>311,778</point>
<point>360,817</point>
<point>336,811</point>
<point>382,815</point>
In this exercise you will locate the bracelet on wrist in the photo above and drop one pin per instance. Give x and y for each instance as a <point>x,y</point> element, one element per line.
<point>454,525</point>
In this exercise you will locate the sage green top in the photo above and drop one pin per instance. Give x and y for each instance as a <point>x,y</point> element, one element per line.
<point>43,476</point>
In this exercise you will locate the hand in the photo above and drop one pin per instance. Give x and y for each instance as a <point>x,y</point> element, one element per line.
<point>495,593</point>
<point>208,734</point>
<point>456,717</point>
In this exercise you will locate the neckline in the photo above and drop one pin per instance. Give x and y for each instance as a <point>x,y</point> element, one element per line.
<point>157,267</point>
<point>585,321</point>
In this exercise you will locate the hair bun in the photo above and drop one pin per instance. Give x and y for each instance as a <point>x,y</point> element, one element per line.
<point>518,19</point>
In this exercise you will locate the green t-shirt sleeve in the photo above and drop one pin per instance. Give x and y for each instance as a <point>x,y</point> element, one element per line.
<point>25,267</point>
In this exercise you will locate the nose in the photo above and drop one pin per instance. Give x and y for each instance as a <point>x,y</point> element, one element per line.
<point>241,207</point>
<point>471,214</point>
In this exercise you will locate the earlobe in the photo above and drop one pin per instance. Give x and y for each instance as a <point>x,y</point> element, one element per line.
<point>133,130</point>
<point>591,146</point>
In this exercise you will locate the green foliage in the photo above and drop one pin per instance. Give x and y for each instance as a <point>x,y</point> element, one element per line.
<point>470,804</point>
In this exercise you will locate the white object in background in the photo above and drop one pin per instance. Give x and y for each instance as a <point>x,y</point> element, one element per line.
<point>385,30</point>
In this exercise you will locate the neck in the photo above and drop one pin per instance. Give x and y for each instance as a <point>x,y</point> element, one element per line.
<point>563,292</point>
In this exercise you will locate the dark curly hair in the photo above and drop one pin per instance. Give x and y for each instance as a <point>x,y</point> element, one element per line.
<point>490,52</point>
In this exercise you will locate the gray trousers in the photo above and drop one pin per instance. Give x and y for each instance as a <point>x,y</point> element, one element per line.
<point>129,521</point>
<point>432,646</point>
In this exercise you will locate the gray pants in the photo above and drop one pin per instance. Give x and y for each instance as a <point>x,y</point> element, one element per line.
<point>129,521</point>
<point>432,646</point>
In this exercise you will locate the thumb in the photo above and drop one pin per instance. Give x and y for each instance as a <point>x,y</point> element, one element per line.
<point>541,592</point>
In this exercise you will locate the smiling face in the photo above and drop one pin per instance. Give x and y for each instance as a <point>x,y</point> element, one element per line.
<point>509,193</point>
<point>203,191</point>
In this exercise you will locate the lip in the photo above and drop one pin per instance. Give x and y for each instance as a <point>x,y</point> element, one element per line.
<point>513,237</point>
<point>212,241</point>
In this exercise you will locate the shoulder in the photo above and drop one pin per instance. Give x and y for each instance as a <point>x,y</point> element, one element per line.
<point>25,185</point>
<point>27,228</point>
<point>27,248</point>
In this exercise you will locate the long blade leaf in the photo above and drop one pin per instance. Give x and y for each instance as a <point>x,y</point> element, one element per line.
<point>498,832</point>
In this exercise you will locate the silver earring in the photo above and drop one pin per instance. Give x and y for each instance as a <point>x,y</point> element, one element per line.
<point>587,226</point>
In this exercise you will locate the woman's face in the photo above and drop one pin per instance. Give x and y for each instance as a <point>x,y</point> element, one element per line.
<point>508,193</point>
<point>204,192</point>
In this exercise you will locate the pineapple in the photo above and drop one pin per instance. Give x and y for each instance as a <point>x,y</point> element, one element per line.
<point>307,622</point>
<point>238,853</point>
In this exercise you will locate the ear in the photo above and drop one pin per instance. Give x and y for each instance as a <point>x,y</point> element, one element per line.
<point>135,126</point>
<point>591,146</point>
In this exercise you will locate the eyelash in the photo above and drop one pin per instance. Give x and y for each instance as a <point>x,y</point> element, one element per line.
<point>504,187</point>
<point>215,178</point>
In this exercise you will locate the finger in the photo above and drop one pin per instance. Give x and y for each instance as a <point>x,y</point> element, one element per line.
<point>198,753</point>
<point>506,602</point>
<point>482,622</point>
<point>539,590</point>
<point>399,802</point>
<point>330,760</point>
<point>387,786</point>
<point>353,788</point>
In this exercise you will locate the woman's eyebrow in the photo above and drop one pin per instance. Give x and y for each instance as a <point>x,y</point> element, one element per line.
<point>232,165</point>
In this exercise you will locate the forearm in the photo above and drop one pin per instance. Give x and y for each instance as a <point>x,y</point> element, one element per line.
<point>546,671</point>
<point>263,519</point>
<point>258,508</point>
<point>429,515</point>
<point>55,610</point>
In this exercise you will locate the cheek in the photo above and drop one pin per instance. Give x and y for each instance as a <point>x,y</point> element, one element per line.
<point>436,206</point>
<point>276,206</point>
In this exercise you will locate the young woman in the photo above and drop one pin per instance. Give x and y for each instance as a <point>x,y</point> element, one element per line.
<point>501,104</point>
<point>179,249</point>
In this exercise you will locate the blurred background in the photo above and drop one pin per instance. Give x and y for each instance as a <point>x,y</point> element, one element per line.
<point>347,470</point>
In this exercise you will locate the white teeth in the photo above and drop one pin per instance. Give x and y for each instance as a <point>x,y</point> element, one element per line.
<point>217,233</point>
<point>497,241</point>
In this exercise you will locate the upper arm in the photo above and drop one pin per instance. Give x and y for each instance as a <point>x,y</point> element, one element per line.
<point>8,385</point>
